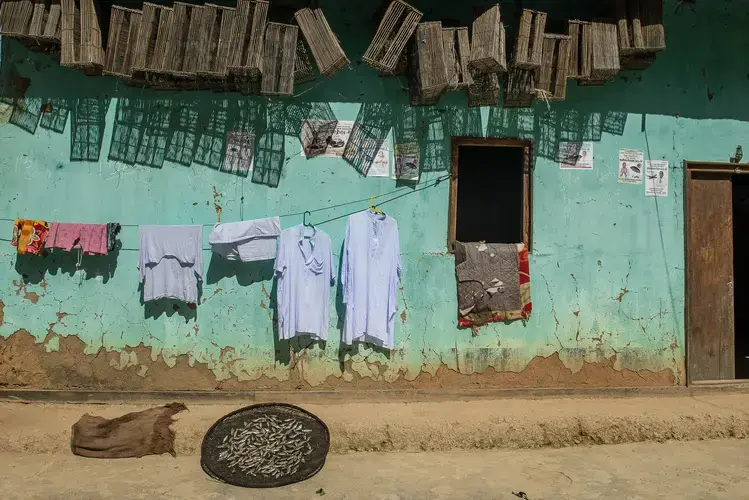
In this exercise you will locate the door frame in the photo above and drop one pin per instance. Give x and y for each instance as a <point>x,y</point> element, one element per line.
<point>721,171</point>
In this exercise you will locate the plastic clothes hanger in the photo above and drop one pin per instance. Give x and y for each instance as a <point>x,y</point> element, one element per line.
<point>373,208</point>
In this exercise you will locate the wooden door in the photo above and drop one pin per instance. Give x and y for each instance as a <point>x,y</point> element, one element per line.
<point>709,241</point>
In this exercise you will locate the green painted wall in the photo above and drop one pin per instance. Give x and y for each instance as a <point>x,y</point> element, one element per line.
<point>607,267</point>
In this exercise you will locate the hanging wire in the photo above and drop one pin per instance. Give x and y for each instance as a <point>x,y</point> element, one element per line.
<point>427,185</point>
<point>327,207</point>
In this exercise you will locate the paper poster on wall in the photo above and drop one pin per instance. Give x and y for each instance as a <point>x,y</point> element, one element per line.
<point>6,110</point>
<point>575,155</point>
<point>656,178</point>
<point>239,153</point>
<point>381,164</point>
<point>630,166</point>
<point>333,141</point>
<point>406,162</point>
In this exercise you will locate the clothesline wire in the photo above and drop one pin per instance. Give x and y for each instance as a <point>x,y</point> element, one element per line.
<point>429,184</point>
<point>328,207</point>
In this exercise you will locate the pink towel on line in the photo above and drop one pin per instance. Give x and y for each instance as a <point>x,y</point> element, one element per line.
<point>90,238</point>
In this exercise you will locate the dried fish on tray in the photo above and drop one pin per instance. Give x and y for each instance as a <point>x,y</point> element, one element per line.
<point>265,445</point>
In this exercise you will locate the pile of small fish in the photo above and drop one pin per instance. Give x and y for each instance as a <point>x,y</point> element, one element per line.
<point>267,446</point>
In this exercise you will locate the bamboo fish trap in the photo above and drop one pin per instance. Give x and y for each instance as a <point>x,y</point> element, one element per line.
<point>392,36</point>
<point>326,50</point>
<point>37,22</point>
<point>488,52</point>
<point>519,88</point>
<point>216,46</point>
<point>149,58</point>
<point>183,45</point>
<point>80,34</point>
<point>552,77</point>
<point>605,64</point>
<point>123,35</point>
<point>640,26</point>
<point>457,50</point>
<point>303,70</point>
<point>279,55</point>
<point>247,39</point>
<point>430,72</point>
<point>530,39</point>
<point>483,90</point>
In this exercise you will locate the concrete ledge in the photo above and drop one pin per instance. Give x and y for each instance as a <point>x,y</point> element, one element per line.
<point>429,426</point>
<point>369,396</point>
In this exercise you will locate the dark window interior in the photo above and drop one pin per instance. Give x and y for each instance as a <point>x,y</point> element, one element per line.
<point>490,194</point>
<point>741,273</point>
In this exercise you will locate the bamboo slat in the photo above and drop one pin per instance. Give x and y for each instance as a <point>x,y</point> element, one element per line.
<point>247,39</point>
<point>123,35</point>
<point>279,54</point>
<point>15,17</point>
<point>457,50</point>
<point>552,77</point>
<point>81,36</point>
<point>529,40</point>
<point>390,40</point>
<point>326,50</point>
<point>488,53</point>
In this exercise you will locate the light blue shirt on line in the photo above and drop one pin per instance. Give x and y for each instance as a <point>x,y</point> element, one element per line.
<point>370,272</point>
<point>304,267</point>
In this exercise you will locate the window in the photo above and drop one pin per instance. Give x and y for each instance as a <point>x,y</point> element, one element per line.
<point>490,191</point>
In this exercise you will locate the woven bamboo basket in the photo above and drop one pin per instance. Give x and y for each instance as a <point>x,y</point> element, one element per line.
<point>605,64</point>
<point>326,50</point>
<point>80,34</point>
<point>185,40</point>
<point>552,77</point>
<point>640,26</point>
<point>483,90</point>
<point>488,49</point>
<point>519,88</point>
<point>392,36</point>
<point>247,39</point>
<point>123,35</point>
<point>36,21</point>
<point>279,55</point>
<point>149,57</point>
<point>429,68</point>
<point>303,70</point>
<point>457,50</point>
<point>216,47</point>
<point>530,39</point>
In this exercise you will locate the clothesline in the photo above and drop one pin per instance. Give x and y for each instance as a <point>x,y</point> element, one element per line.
<point>431,183</point>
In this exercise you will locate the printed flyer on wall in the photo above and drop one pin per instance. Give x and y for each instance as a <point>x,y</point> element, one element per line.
<point>656,178</point>
<point>630,166</point>
<point>575,155</point>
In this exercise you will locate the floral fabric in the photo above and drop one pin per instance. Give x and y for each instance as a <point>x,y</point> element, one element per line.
<point>29,235</point>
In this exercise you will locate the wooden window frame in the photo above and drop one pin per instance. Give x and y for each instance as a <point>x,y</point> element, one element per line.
<point>527,208</point>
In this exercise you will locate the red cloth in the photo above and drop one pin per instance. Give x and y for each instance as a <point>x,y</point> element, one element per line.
<point>525,295</point>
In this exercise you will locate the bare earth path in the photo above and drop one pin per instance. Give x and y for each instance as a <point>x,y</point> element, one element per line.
<point>684,470</point>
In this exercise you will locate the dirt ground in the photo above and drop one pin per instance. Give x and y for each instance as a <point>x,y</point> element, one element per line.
<point>694,470</point>
<point>428,426</point>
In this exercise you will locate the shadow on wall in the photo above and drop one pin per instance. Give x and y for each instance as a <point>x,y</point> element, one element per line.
<point>229,132</point>
<point>35,268</point>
